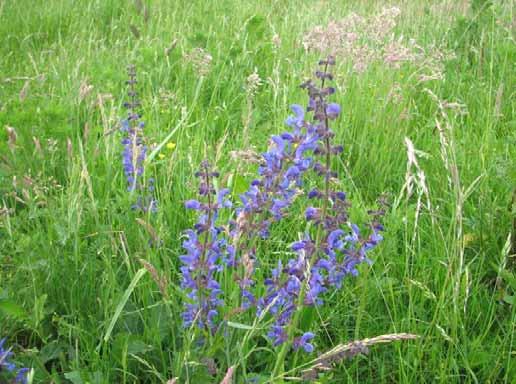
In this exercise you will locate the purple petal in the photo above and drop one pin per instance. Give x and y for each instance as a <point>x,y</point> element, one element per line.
<point>333,110</point>
<point>192,204</point>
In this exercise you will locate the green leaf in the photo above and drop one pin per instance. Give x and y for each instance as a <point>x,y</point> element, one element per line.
<point>259,378</point>
<point>136,346</point>
<point>51,351</point>
<point>74,377</point>
<point>240,326</point>
<point>96,377</point>
<point>507,276</point>
<point>10,308</point>
<point>122,302</point>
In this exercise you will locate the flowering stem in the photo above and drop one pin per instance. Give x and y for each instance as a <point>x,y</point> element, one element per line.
<point>206,238</point>
<point>133,127</point>
<point>280,361</point>
<point>250,229</point>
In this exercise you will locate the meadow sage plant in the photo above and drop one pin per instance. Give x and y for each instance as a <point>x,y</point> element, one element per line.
<point>207,253</point>
<point>135,151</point>
<point>331,247</point>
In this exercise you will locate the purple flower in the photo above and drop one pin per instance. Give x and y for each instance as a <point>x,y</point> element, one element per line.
<point>5,355</point>
<point>21,376</point>
<point>7,365</point>
<point>303,342</point>
<point>316,287</point>
<point>296,121</point>
<point>135,152</point>
<point>207,252</point>
<point>354,235</point>
<point>314,193</point>
<point>249,299</point>
<point>333,239</point>
<point>332,110</point>
<point>277,206</point>
<point>373,240</point>
<point>278,334</point>
<point>193,204</point>
<point>312,213</point>
<point>293,286</point>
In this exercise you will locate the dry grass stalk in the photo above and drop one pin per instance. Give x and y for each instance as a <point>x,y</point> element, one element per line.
<point>200,60</point>
<point>69,147</point>
<point>84,90</point>
<point>345,351</point>
<point>24,91</point>
<point>37,145</point>
<point>12,137</point>
<point>228,378</point>
<point>415,179</point>
<point>150,230</point>
<point>456,261</point>
<point>366,40</point>
<point>499,101</point>
<point>248,264</point>
<point>86,132</point>
<point>107,114</point>
<point>161,281</point>
<point>4,210</point>
<point>253,82</point>
<point>171,47</point>
<point>247,156</point>
<point>210,365</point>
<point>276,41</point>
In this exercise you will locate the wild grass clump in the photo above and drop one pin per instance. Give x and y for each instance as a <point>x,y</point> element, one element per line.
<point>269,274</point>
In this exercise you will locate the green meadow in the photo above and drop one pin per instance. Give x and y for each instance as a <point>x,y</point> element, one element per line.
<point>90,289</point>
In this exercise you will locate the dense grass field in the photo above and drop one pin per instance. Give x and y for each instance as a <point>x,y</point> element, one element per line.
<point>427,98</point>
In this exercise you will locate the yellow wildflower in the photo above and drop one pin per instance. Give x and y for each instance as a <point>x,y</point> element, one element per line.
<point>171,145</point>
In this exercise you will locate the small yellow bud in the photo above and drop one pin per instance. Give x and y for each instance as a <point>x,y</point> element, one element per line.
<point>171,145</point>
<point>161,155</point>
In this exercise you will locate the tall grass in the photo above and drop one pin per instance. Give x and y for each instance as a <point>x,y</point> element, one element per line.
<point>80,307</point>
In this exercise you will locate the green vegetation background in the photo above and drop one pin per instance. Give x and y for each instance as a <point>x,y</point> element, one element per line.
<point>69,245</point>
